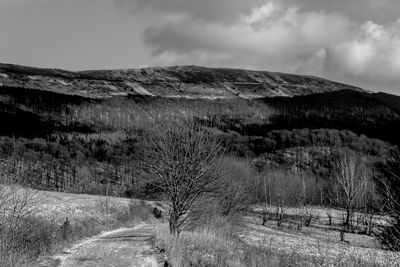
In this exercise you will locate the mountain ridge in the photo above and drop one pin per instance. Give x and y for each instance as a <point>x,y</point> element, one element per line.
<point>174,81</point>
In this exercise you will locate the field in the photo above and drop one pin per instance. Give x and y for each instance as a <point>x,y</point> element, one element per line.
<point>319,242</point>
<point>58,205</point>
<point>249,243</point>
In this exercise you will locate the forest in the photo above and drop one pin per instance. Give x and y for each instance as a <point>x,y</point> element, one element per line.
<point>85,145</point>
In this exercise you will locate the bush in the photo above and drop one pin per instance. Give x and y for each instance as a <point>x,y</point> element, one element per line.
<point>138,211</point>
<point>33,237</point>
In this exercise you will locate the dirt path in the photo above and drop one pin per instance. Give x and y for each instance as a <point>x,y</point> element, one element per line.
<point>126,247</point>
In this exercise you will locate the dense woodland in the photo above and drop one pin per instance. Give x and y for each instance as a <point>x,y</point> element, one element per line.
<point>87,145</point>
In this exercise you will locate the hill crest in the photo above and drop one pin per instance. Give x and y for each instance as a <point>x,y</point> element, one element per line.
<point>175,81</point>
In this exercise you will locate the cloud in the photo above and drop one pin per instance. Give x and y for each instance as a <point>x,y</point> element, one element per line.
<point>381,11</point>
<point>284,38</point>
<point>374,54</point>
<point>271,36</point>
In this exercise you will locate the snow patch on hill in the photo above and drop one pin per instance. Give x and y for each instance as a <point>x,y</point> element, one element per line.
<point>63,82</point>
<point>139,89</point>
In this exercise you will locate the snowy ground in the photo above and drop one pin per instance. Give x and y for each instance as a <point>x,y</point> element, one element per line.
<point>320,241</point>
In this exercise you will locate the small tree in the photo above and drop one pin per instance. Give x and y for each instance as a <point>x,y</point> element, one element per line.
<point>238,185</point>
<point>16,205</point>
<point>284,191</point>
<point>178,157</point>
<point>350,182</point>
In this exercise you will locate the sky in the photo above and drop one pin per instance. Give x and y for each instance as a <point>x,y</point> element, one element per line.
<point>351,41</point>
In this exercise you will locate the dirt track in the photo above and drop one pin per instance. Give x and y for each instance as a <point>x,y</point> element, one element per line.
<point>125,247</point>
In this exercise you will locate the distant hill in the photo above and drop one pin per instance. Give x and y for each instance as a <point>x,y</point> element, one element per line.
<point>178,81</point>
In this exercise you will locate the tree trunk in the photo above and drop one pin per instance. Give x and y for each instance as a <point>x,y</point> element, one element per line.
<point>174,221</point>
<point>347,223</point>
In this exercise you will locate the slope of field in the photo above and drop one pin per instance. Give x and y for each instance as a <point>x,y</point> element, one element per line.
<point>182,81</point>
<point>59,205</point>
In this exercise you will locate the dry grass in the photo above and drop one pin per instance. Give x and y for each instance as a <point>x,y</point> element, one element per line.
<point>216,245</point>
<point>204,247</point>
<point>42,229</point>
<point>320,243</point>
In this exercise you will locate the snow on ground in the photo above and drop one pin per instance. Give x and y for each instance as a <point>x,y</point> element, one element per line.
<point>57,205</point>
<point>279,92</point>
<point>250,96</point>
<point>110,86</point>
<point>328,251</point>
<point>35,78</point>
<point>198,97</point>
<point>139,89</point>
<point>319,241</point>
<point>120,94</point>
<point>63,82</point>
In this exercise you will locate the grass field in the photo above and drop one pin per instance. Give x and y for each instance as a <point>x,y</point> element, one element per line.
<point>320,242</point>
<point>249,243</point>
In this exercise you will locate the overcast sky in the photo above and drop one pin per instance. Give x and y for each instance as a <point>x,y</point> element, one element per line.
<point>353,41</point>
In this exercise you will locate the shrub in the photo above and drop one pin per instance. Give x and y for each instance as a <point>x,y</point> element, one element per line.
<point>138,211</point>
<point>33,237</point>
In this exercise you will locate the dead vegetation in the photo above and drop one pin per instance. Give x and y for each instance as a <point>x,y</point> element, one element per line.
<point>219,243</point>
<point>35,223</point>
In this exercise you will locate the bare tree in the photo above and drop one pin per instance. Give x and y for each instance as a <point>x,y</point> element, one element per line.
<point>178,158</point>
<point>284,191</point>
<point>238,185</point>
<point>350,182</point>
<point>390,219</point>
<point>388,184</point>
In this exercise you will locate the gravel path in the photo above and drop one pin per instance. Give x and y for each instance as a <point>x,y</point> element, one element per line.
<point>126,247</point>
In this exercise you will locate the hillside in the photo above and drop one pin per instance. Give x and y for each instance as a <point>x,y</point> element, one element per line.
<point>66,140</point>
<point>182,81</point>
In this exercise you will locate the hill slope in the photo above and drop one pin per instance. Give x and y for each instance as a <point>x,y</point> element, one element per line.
<point>182,81</point>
